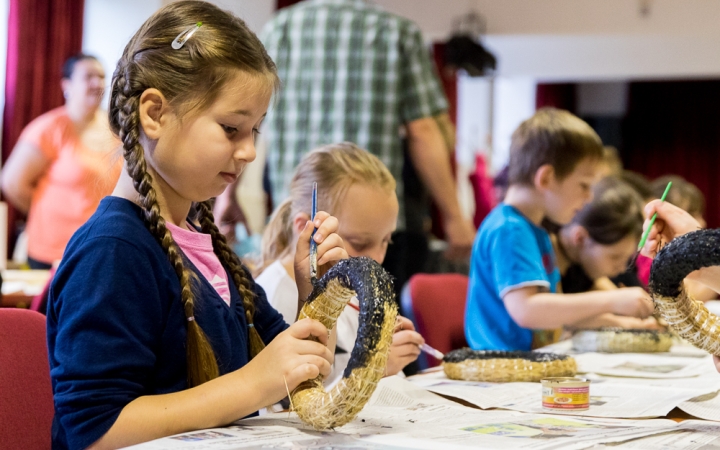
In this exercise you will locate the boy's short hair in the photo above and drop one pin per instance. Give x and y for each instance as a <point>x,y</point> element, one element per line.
<point>551,136</point>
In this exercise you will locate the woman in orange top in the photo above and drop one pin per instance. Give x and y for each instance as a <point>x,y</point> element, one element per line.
<point>64,163</point>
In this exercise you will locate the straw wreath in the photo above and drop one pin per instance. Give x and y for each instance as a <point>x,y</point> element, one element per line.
<point>503,366</point>
<point>688,317</point>
<point>374,289</point>
<point>619,340</point>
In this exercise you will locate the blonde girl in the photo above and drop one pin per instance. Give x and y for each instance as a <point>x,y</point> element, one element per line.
<point>154,326</point>
<point>359,190</point>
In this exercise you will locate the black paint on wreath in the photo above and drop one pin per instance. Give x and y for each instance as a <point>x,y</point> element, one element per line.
<point>463,354</point>
<point>685,254</point>
<point>651,334</point>
<point>373,287</point>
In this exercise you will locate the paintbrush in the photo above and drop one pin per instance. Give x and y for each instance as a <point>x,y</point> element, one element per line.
<point>633,263</point>
<point>313,245</point>
<point>437,354</point>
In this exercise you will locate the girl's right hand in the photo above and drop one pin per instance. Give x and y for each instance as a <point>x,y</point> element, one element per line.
<point>671,222</point>
<point>292,358</point>
<point>330,249</point>
<point>632,301</point>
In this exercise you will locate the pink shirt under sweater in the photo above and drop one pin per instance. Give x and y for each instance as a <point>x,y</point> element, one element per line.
<point>643,269</point>
<point>198,248</point>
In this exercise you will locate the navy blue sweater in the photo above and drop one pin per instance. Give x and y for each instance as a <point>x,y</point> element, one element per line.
<point>116,326</point>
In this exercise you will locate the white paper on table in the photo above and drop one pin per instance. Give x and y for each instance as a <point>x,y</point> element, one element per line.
<point>704,407</point>
<point>688,435</point>
<point>377,429</point>
<point>400,415</point>
<point>607,399</point>
<point>25,282</point>
<point>706,383</point>
<point>642,365</point>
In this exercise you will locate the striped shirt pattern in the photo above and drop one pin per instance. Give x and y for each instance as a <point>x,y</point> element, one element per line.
<point>350,71</point>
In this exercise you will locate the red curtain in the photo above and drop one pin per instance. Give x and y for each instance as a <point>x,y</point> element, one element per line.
<point>672,128</point>
<point>284,3</point>
<point>557,95</point>
<point>41,35</point>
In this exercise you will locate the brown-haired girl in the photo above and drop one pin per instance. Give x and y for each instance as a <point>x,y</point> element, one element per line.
<point>597,245</point>
<point>357,188</point>
<point>154,326</point>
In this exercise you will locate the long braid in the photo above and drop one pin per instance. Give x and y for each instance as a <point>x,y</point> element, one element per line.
<point>239,273</point>
<point>201,363</point>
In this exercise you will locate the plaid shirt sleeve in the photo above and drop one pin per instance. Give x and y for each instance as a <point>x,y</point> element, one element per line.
<point>420,92</point>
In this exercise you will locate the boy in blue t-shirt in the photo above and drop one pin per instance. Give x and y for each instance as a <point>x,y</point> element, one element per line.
<point>513,301</point>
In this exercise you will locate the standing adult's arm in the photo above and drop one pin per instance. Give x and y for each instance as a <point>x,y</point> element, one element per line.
<point>21,173</point>
<point>422,101</point>
<point>429,156</point>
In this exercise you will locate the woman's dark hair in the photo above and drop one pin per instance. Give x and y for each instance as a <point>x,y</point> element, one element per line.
<point>614,213</point>
<point>69,65</point>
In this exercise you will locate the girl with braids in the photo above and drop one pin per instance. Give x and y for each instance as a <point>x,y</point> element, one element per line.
<point>154,326</point>
<point>357,188</point>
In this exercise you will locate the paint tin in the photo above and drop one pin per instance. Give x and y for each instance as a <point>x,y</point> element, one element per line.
<point>566,393</point>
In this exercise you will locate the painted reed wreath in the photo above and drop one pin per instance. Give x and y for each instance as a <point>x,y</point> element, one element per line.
<point>688,317</point>
<point>620,340</point>
<point>504,366</point>
<point>366,279</point>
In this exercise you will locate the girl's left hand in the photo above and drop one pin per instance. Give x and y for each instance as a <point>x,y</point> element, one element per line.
<point>330,248</point>
<point>405,346</point>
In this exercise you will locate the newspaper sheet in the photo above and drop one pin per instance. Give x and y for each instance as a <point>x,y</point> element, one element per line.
<point>607,399</point>
<point>401,416</point>
<point>706,383</point>
<point>688,435</point>
<point>703,407</point>
<point>643,365</point>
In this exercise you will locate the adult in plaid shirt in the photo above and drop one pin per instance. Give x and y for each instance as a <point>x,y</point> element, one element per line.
<point>351,71</point>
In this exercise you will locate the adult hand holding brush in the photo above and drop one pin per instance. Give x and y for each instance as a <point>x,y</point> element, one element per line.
<point>690,254</point>
<point>671,222</point>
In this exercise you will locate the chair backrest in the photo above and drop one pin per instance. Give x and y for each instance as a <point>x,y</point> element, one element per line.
<point>26,401</point>
<point>437,304</point>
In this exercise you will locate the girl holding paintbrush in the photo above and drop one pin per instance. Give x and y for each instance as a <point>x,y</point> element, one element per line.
<point>359,190</point>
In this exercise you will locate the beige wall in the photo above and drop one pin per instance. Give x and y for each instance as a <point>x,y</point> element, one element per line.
<point>565,40</point>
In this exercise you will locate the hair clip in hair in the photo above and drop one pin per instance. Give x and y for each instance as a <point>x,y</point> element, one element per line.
<point>183,37</point>
<point>191,318</point>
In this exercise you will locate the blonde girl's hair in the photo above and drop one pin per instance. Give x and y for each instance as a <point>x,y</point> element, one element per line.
<point>190,78</point>
<point>335,168</point>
